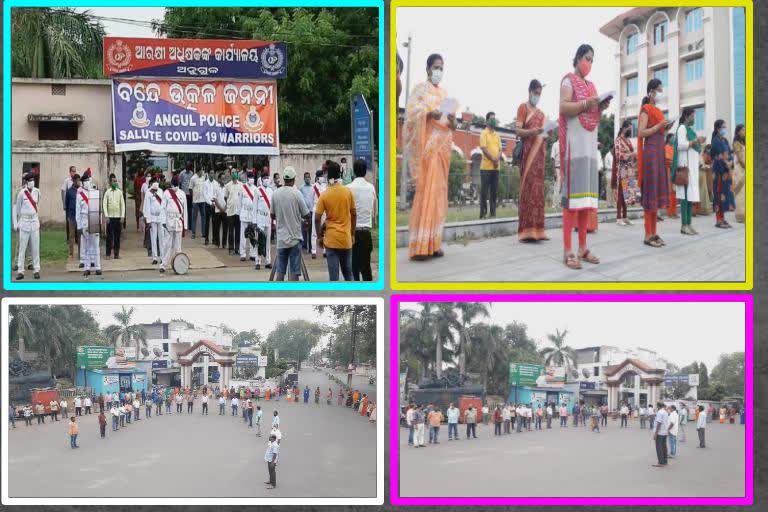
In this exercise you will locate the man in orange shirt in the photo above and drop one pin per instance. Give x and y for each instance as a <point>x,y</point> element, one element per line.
<point>435,419</point>
<point>338,204</point>
<point>73,431</point>
<point>669,153</point>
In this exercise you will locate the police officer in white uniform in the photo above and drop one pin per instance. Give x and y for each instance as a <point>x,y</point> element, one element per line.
<point>89,242</point>
<point>248,198</point>
<point>27,222</point>
<point>264,219</point>
<point>175,212</point>
<point>318,188</point>
<point>153,210</point>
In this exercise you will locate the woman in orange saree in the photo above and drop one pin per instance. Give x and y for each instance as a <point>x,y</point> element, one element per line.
<point>530,120</point>
<point>651,163</point>
<point>427,140</point>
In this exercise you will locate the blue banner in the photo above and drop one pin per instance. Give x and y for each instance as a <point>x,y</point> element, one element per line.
<point>362,131</point>
<point>161,363</point>
<point>245,360</point>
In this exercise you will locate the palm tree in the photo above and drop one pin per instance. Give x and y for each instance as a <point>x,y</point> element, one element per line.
<point>445,324</point>
<point>469,312</point>
<point>488,350</point>
<point>416,338</point>
<point>40,328</point>
<point>559,354</point>
<point>55,43</point>
<point>124,332</point>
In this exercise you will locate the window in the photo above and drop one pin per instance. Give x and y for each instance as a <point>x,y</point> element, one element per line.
<point>596,371</point>
<point>659,33</point>
<point>633,121</point>
<point>631,86</point>
<point>698,120</point>
<point>694,69</point>
<point>694,20</point>
<point>165,348</point>
<point>663,75</point>
<point>632,43</point>
<point>57,130</point>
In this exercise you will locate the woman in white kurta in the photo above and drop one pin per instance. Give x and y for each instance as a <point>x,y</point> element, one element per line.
<point>687,150</point>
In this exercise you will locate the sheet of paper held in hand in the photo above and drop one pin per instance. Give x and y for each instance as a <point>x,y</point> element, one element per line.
<point>449,106</point>
<point>606,95</point>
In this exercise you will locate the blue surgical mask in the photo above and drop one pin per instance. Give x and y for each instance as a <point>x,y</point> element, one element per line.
<point>535,99</point>
<point>723,132</point>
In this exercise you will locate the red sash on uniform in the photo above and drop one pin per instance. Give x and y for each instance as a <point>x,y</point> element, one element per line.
<point>31,200</point>
<point>266,199</point>
<point>181,210</point>
<point>85,198</point>
<point>159,200</point>
<point>247,189</point>
<point>316,189</point>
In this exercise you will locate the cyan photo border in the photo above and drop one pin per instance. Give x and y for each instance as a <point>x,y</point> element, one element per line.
<point>11,285</point>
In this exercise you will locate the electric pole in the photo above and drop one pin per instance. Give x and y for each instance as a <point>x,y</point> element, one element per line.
<point>402,202</point>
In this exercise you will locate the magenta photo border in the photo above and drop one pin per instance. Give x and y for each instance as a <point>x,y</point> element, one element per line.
<point>394,402</point>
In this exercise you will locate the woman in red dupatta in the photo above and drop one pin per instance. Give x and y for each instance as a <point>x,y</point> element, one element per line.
<point>530,128</point>
<point>651,161</point>
<point>624,174</point>
<point>427,140</point>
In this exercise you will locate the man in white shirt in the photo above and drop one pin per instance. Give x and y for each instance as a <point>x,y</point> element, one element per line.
<point>683,421</point>
<point>115,416</point>
<point>318,188</point>
<point>271,458</point>
<point>409,421</point>
<point>365,202</point>
<point>204,401</point>
<point>153,210</point>
<point>263,220</point>
<point>89,242</point>
<point>209,193</point>
<point>550,412</point>
<point>26,222</point>
<point>232,196</point>
<point>136,409</point>
<point>175,217</point>
<point>660,432</point>
<point>453,422</point>
<point>608,166</point>
<point>275,420</point>
<point>88,404</point>
<point>624,411</point>
<point>506,416</point>
<point>520,415</point>
<point>701,427</point>
<point>641,412</point>
<point>259,416</point>
<point>248,200</point>
<point>222,405</point>
<point>234,403</point>
<point>197,187</point>
<point>219,220</point>
<point>674,428</point>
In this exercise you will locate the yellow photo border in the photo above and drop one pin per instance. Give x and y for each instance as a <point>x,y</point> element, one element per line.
<point>747,284</point>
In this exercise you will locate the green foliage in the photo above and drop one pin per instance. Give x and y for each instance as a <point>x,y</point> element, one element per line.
<point>55,43</point>
<point>246,339</point>
<point>125,332</point>
<point>559,354</point>
<point>509,181</point>
<point>729,373</point>
<point>339,328</point>
<point>295,339</point>
<point>332,56</point>
<point>456,173</point>
<point>605,133</point>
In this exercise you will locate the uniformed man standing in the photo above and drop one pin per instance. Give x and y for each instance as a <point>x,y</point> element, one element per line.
<point>247,194</point>
<point>264,223</point>
<point>154,215</point>
<point>318,188</point>
<point>27,222</point>
<point>89,242</point>
<point>175,211</point>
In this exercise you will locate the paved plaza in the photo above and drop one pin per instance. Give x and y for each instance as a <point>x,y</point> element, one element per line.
<point>326,451</point>
<point>714,255</point>
<point>573,462</point>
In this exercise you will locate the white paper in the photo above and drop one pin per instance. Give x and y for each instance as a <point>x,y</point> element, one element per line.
<point>449,106</point>
<point>550,125</point>
<point>606,95</point>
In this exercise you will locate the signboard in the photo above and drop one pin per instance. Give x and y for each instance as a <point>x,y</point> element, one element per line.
<point>246,361</point>
<point>693,379</point>
<point>159,363</point>
<point>555,374</point>
<point>263,361</point>
<point>523,374</point>
<point>193,116</point>
<point>362,131</point>
<point>139,377</point>
<point>194,58</point>
<point>681,378</point>
<point>129,353</point>
<point>586,385</point>
<point>110,380</point>
<point>93,356</point>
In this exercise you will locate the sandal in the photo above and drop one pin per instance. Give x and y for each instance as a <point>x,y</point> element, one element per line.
<point>418,257</point>
<point>438,254</point>
<point>659,239</point>
<point>589,257</point>
<point>572,262</point>
<point>653,242</point>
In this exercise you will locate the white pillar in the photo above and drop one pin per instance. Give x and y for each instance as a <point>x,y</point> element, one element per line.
<point>205,370</point>
<point>621,93</point>
<point>642,64</point>
<point>673,69</point>
<point>710,73</point>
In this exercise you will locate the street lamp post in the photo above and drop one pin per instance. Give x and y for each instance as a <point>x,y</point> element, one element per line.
<point>404,166</point>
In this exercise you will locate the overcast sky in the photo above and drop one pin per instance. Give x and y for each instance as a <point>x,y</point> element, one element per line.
<point>263,318</point>
<point>492,53</point>
<point>115,28</point>
<point>679,332</point>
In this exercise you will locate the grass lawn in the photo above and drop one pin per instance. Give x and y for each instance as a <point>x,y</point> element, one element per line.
<point>53,246</point>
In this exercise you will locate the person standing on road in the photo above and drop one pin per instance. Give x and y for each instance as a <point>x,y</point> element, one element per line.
<point>78,406</point>
<point>453,422</point>
<point>88,404</point>
<point>40,413</point>
<point>73,431</point>
<point>259,415</point>
<point>54,406</point>
<point>317,395</point>
<point>365,202</point>
<point>470,418</point>
<point>148,407</point>
<point>683,421</point>
<point>701,427</point>
<point>275,420</point>
<point>660,432</point>
<point>26,222</point>
<point>234,402</point>
<point>12,415</point>
<point>175,216</point>
<point>113,207</point>
<point>136,408</point>
<point>102,424</point>
<point>250,413</point>
<point>271,458</point>
<point>435,420</point>
<point>289,210</point>
<point>204,401</point>
<point>115,417</point>
<point>624,411</point>
<point>338,205</point>
<point>27,413</point>
<point>506,417</point>
<point>418,427</point>
<point>409,412</point>
<point>222,405</point>
<point>306,394</point>
<point>563,413</point>
<point>497,420</point>
<point>674,429</point>
<point>190,402</point>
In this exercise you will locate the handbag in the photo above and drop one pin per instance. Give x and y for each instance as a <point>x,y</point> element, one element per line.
<point>517,154</point>
<point>682,176</point>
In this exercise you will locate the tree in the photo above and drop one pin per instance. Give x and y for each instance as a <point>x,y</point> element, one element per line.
<point>416,340</point>
<point>522,348</point>
<point>456,173</point>
<point>729,373</point>
<point>489,354</point>
<point>124,332</point>
<point>470,311</point>
<point>446,323</point>
<point>246,339</point>
<point>295,339</point>
<point>55,43</point>
<point>559,354</point>
<point>605,133</point>
<point>332,56</point>
<point>339,327</point>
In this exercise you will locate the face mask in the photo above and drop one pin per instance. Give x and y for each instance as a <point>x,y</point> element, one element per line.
<point>250,181</point>
<point>87,185</point>
<point>264,182</point>
<point>722,132</point>
<point>306,181</point>
<point>436,77</point>
<point>30,185</point>
<point>535,99</point>
<point>585,67</point>
<point>113,185</point>
<point>492,123</point>
<point>321,179</point>
<point>155,187</point>
<point>659,95</point>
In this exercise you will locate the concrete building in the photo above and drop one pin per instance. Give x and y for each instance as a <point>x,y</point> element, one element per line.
<point>206,364</point>
<point>698,53</point>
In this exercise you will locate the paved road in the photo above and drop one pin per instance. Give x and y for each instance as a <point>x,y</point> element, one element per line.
<point>325,452</point>
<point>573,462</point>
<point>714,255</point>
<point>358,382</point>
